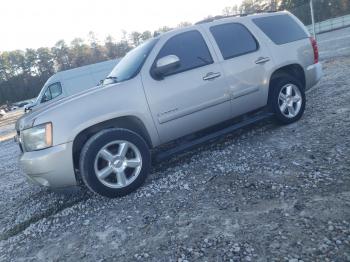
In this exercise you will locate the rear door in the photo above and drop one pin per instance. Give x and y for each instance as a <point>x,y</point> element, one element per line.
<point>245,62</point>
<point>191,97</point>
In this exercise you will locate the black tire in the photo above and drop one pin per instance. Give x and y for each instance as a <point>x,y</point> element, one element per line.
<point>276,85</point>
<point>95,144</point>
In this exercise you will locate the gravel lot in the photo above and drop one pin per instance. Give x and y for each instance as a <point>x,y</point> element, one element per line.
<point>334,44</point>
<point>7,124</point>
<point>267,193</point>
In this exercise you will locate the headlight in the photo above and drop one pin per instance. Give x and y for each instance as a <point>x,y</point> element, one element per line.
<point>38,137</point>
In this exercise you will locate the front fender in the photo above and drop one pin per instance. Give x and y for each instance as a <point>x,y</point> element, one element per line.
<point>113,101</point>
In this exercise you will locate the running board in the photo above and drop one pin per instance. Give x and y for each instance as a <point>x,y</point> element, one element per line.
<point>161,156</point>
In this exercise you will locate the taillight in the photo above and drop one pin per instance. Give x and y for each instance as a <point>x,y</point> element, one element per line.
<point>315,48</point>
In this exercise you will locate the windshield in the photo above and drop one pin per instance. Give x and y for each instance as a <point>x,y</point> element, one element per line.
<point>42,91</point>
<point>131,64</point>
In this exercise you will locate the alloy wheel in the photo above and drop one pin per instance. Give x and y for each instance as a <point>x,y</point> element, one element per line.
<point>290,100</point>
<point>118,164</point>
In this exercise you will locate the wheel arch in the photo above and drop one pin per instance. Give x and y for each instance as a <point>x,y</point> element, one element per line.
<point>132,123</point>
<point>293,70</point>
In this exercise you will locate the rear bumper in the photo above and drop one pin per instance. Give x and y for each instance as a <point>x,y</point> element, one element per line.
<point>51,167</point>
<point>313,74</point>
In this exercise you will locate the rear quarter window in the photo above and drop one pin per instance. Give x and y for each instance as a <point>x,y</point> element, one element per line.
<point>281,29</point>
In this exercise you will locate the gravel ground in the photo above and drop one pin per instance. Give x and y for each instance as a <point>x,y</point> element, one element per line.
<point>7,124</point>
<point>267,193</point>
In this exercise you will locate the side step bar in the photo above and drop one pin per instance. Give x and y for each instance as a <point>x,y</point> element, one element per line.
<point>161,156</point>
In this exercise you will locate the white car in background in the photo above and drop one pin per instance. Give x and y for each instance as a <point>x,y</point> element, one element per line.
<point>70,82</point>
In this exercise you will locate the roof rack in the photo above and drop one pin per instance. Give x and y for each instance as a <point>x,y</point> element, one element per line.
<point>218,17</point>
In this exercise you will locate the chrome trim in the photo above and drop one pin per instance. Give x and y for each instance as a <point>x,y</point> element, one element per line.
<point>181,113</point>
<point>245,92</point>
<point>211,76</point>
<point>262,60</point>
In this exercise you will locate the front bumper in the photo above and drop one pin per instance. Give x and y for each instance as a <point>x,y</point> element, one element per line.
<point>313,74</point>
<point>51,167</point>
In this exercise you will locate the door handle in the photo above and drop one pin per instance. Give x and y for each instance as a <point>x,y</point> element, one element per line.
<point>211,75</point>
<point>262,60</point>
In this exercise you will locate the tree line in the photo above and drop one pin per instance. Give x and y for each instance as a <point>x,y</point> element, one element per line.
<point>323,9</point>
<point>23,72</point>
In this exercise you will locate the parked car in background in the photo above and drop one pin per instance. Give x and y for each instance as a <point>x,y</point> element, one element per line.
<point>2,112</point>
<point>70,82</point>
<point>21,104</point>
<point>177,84</point>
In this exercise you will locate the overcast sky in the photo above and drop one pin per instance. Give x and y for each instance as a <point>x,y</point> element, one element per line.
<point>37,23</point>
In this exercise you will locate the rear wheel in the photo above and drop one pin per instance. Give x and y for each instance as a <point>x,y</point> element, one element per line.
<point>287,99</point>
<point>115,162</point>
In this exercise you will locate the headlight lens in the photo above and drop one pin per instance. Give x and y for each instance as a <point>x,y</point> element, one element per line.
<point>38,137</point>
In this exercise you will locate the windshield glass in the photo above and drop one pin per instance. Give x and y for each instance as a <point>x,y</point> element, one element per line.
<point>42,91</point>
<point>131,64</point>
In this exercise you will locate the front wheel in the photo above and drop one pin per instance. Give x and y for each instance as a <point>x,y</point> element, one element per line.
<point>287,100</point>
<point>115,162</point>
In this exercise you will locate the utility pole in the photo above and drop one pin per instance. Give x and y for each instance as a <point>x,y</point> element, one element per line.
<point>312,18</point>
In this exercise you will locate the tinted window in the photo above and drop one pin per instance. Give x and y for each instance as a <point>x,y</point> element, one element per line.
<point>233,40</point>
<point>190,47</point>
<point>55,89</point>
<point>280,29</point>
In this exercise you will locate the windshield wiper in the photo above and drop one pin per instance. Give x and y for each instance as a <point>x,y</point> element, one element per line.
<point>114,78</point>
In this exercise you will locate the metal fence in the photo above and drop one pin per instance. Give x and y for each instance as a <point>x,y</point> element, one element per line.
<point>330,24</point>
<point>328,14</point>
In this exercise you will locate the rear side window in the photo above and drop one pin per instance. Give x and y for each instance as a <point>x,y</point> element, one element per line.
<point>281,29</point>
<point>233,40</point>
<point>190,47</point>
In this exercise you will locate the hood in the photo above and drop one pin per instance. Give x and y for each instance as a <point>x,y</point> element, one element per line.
<point>27,120</point>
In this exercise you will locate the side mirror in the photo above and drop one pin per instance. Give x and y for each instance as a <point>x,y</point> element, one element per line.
<point>166,64</point>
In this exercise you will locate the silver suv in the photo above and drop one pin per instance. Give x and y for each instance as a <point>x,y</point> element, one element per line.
<point>179,83</point>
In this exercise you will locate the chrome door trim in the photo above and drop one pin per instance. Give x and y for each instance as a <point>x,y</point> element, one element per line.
<point>245,92</point>
<point>211,76</point>
<point>262,60</point>
<point>175,114</point>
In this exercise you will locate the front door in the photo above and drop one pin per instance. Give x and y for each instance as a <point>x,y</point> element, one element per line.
<point>191,97</point>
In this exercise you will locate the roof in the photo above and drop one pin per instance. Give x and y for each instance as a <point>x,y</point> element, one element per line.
<point>218,17</point>
<point>106,65</point>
